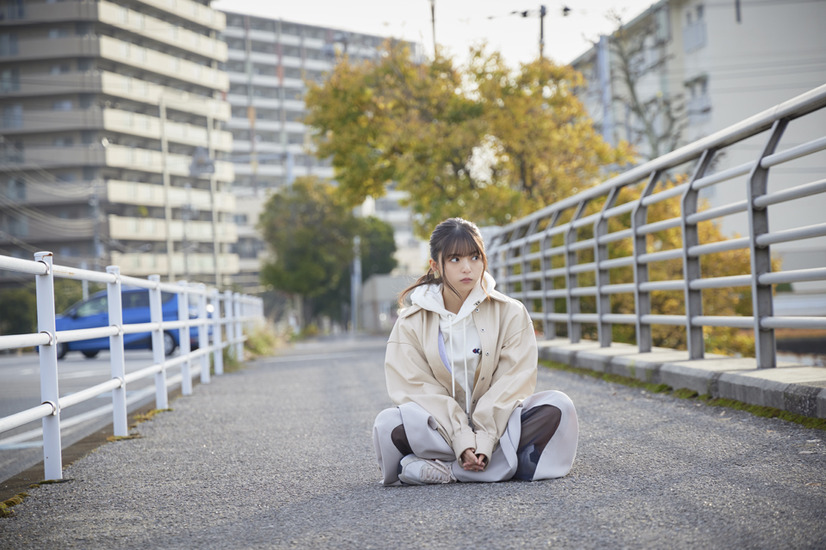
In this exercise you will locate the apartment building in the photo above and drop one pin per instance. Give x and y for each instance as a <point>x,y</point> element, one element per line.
<point>698,66</point>
<point>269,62</point>
<point>112,142</point>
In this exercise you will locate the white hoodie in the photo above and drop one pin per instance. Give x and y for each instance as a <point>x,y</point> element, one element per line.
<point>461,349</point>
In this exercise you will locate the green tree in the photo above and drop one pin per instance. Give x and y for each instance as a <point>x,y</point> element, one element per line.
<point>478,141</point>
<point>310,233</point>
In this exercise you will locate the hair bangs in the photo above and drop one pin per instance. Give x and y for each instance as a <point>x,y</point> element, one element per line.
<point>460,244</point>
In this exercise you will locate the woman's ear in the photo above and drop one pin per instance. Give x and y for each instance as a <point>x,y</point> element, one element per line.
<point>434,267</point>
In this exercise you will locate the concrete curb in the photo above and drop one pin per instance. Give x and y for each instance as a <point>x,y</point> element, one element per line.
<point>789,387</point>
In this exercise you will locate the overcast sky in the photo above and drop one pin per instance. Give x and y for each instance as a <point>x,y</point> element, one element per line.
<point>459,23</point>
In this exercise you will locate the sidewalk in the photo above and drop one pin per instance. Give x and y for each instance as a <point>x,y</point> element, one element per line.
<point>789,387</point>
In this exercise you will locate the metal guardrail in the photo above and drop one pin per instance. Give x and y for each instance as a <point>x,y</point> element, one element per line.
<point>231,313</point>
<point>532,255</point>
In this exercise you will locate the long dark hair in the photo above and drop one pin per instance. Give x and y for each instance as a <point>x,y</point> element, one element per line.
<point>452,237</point>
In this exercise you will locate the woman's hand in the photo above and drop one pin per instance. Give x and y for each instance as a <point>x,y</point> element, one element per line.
<point>473,462</point>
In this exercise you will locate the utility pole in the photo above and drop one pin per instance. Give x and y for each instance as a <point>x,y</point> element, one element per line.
<point>433,24</point>
<point>542,12</point>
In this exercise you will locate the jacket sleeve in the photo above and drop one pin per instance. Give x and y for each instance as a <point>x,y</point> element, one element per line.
<point>513,380</point>
<point>410,379</point>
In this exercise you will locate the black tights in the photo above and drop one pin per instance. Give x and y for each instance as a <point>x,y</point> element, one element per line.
<point>539,425</point>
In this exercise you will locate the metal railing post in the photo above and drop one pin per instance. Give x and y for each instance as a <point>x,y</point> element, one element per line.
<point>691,266</point>
<point>183,339</point>
<point>548,326</point>
<point>203,336</point>
<point>158,351</point>
<point>239,328</point>
<point>602,275</point>
<point>765,347</point>
<point>574,327</point>
<point>217,342</point>
<point>642,299</point>
<point>49,390</point>
<point>116,355</point>
<point>229,328</point>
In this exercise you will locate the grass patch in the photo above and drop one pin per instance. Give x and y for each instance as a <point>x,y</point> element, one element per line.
<point>6,506</point>
<point>123,437</point>
<point>144,417</point>
<point>684,393</point>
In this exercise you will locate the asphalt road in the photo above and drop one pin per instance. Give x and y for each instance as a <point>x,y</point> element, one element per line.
<point>279,455</point>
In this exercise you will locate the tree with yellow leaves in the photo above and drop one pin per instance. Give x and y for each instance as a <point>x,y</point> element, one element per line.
<point>481,141</point>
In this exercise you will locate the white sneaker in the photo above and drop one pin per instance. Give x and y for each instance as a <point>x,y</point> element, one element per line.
<point>420,471</point>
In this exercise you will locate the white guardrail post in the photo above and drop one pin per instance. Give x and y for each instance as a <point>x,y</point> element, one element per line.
<point>203,336</point>
<point>183,339</point>
<point>229,329</point>
<point>239,327</point>
<point>158,349</point>
<point>217,341</point>
<point>116,355</point>
<point>49,391</point>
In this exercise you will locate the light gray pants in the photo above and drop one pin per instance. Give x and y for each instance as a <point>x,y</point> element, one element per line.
<point>426,442</point>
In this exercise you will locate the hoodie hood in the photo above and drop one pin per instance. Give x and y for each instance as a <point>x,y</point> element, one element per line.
<point>430,297</point>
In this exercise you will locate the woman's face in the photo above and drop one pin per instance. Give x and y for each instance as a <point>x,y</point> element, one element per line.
<point>463,272</point>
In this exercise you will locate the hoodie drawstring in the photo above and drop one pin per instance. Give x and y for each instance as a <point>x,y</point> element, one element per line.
<point>464,354</point>
<point>450,355</point>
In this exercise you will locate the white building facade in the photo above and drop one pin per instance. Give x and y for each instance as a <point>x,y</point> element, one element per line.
<point>269,62</point>
<point>700,66</point>
<point>112,136</point>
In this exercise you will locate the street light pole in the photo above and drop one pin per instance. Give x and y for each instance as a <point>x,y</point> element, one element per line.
<point>542,12</point>
<point>433,24</point>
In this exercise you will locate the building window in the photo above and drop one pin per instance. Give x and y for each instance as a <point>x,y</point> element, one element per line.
<point>694,34</point>
<point>62,105</point>
<point>698,105</point>
<point>10,80</point>
<point>8,43</point>
<point>60,68</point>
<point>13,116</point>
<point>15,189</point>
<point>12,9</point>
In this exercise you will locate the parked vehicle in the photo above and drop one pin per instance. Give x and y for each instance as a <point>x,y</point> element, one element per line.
<point>94,312</point>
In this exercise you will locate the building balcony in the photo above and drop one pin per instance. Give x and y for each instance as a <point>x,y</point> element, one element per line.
<point>119,51</point>
<point>131,158</point>
<point>147,194</point>
<point>115,120</point>
<point>190,11</point>
<point>144,264</point>
<point>125,228</point>
<point>47,229</point>
<point>127,20</point>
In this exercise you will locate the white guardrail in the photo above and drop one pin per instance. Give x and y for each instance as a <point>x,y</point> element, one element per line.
<point>562,253</point>
<point>231,312</point>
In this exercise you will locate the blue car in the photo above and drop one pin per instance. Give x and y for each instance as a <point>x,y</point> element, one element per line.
<point>94,312</point>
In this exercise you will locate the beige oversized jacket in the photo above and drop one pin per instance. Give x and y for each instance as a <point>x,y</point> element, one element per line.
<point>506,374</point>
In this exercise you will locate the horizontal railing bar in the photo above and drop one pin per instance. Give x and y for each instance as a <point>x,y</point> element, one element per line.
<point>664,195</point>
<point>584,291</point>
<point>661,256</point>
<point>585,317</point>
<point>620,318</point>
<point>649,319</point>
<point>587,221</point>
<point>19,265</point>
<point>721,282</point>
<point>722,321</point>
<point>795,234</point>
<point>798,192</point>
<point>24,417</point>
<point>615,211</point>
<point>793,276</point>
<point>793,153</point>
<point>793,322</point>
<point>581,245</point>
<point>651,286</point>
<point>619,288</point>
<point>89,393</point>
<point>719,246</point>
<point>727,174</point>
<point>142,373</point>
<point>15,341</point>
<point>67,272</point>
<point>616,236</point>
<point>616,262</point>
<point>719,212</point>
<point>85,333</point>
<point>659,226</point>
<point>582,268</point>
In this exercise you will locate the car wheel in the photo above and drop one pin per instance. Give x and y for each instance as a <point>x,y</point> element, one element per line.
<point>90,354</point>
<point>169,344</point>
<point>62,350</point>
